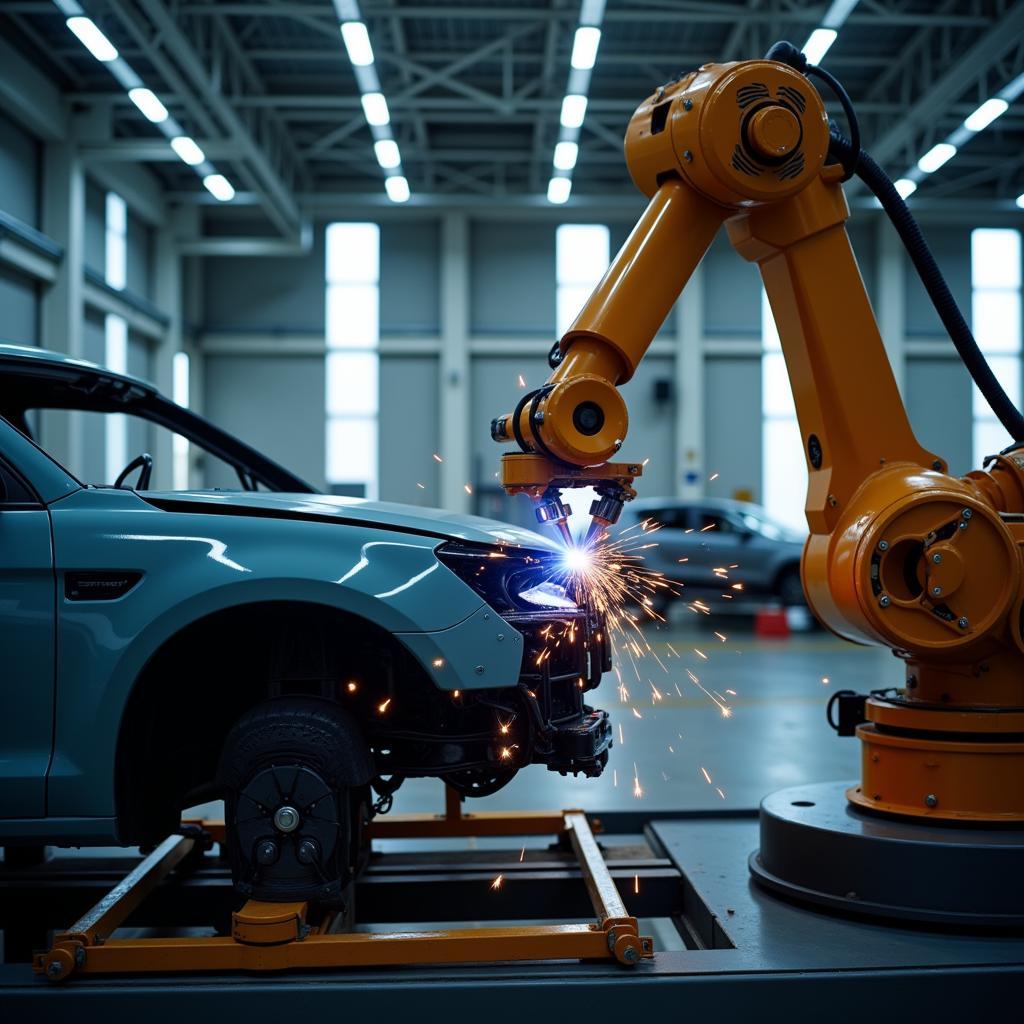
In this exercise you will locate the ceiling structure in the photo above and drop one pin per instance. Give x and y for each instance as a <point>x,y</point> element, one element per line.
<point>474,89</point>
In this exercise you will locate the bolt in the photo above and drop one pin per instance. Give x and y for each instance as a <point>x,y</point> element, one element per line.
<point>307,851</point>
<point>486,616</point>
<point>967,513</point>
<point>931,800</point>
<point>266,852</point>
<point>832,501</point>
<point>687,104</point>
<point>937,466</point>
<point>962,622</point>
<point>80,956</point>
<point>538,416</point>
<point>54,969</point>
<point>883,545</point>
<point>501,636</point>
<point>936,591</point>
<point>937,558</point>
<point>479,670</point>
<point>630,955</point>
<point>963,525</point>
<point>884,600</point>
<point>286,819</point>
<point>687,156</point>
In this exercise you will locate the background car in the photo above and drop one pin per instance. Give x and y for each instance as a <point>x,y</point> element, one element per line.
<point>699,539</point>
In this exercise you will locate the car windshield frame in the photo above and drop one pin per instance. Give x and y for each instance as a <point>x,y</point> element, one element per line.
<point>28,383</point>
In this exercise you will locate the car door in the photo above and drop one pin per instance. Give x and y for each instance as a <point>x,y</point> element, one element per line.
<point>715,544</point>
<point>675,542</point>
<point>26,647</point>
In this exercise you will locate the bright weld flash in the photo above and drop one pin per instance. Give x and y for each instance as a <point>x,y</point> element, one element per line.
<point>576,560</point>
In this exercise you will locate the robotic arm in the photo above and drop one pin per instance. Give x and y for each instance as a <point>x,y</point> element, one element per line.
<point>900,553</point>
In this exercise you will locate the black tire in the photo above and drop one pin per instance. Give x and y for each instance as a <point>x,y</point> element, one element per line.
<point>789,588</point>
<point>294,774</point>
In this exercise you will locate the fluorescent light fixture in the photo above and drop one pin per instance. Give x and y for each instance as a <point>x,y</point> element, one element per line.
<point>818,44</point>
<point>936,157</point>
<point>357,43</point>
<point>187,149</point>
<point>219,187</point>
<point>565,155</point>
<point>375,107</point>
<point>584,48</point>
<point>986,114</point>
<point>905,187</point>
<point>559,189</point>
<point>1020,200</point>
<point>151,107</point>
<point>397,188</point>
<point>574,109</point>
<point>93,39</point>
<point>387,153</point>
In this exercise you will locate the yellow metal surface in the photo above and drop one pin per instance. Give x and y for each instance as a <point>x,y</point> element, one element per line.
<point>276,936</point>
<point>534,474</point>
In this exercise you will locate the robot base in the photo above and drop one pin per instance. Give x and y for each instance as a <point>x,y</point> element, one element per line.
<point>817,848</point>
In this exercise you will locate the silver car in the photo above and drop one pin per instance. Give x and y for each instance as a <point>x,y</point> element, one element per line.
<point>712,544</point>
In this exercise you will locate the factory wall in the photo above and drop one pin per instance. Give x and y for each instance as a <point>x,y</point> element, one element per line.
<point>257,327</point>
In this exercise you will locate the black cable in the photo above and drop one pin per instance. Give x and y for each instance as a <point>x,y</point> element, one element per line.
<point>854,159</point>
<point>934,283</point>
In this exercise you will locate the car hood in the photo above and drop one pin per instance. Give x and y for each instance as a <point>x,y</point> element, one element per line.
<point>380,515</point>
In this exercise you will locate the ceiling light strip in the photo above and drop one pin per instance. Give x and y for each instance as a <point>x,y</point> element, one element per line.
<point>148,103</point>
<point>574,106</point>
<point>977,121</point>
<point>820,41</point>
<point>375,106</point>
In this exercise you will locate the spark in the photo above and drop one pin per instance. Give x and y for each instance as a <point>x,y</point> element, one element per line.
<point>671,749</point>
<point>352,686</point>
<point>707,777</point>
<point>622,741</point>
<point>700,653</point>
<point>710,526</point>
<point>719,792</point>
<point>497,883</point>
<point>438,662</point>
<point>422,487</point>
<point>636,883</point>
<point>721,637</point>
<point>521,381</point>
<point>467,488</point>
<point>437,458</point>
<point>455,694</point>
<point>714,476</point>
<point>732,693</point>
<point>504,727</point>
<point>824,680</point>
<point>644,463</point>
<point>615,777</point>
<point>636,714</point>
<point>383,706</point>
<point>737,586</point>
<point>522,854</point>
<point>638,791</point>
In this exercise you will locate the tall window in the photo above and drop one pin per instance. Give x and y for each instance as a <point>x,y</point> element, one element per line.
<point>179,444</point>
<point>996,316</point>
<point>783,469</point>
<point>581,258</point>
<point>353,333</point>
<point>116,329</point>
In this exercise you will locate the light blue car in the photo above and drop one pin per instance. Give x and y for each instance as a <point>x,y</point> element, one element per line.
<point>296,653</point>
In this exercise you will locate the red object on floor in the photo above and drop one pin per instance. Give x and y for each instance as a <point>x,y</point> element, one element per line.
<point>771,622</point>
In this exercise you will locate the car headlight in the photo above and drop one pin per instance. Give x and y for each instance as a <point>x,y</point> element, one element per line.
<point>510,579</point>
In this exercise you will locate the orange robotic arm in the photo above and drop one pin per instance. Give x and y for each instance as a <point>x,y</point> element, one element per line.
<point>900,553</point>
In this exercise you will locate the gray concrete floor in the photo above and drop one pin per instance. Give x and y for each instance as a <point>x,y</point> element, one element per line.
<point>775,736</point>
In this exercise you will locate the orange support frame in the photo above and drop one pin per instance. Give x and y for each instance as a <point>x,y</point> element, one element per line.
<point>278,936</point>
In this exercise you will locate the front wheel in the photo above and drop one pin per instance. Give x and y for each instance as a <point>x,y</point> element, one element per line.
<point>294,773</point>
<point>789,588</point>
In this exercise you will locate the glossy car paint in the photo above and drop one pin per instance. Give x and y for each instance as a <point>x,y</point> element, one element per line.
<point>71,664</point>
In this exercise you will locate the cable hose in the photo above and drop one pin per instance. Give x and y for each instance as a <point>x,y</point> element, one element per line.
<point>934,283</point>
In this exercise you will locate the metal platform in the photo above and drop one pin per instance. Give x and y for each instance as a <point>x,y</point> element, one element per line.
<point>747,951</point>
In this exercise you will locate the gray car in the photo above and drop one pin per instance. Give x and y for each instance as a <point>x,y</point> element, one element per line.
<point>711,544</point>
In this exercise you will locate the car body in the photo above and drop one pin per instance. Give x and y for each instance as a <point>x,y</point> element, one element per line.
<point>699,536</point>
<point>139,625</point>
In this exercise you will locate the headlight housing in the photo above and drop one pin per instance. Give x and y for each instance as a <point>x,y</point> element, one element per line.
<point>510,579</point>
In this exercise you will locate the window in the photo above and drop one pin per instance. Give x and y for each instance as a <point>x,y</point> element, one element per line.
<point>115,330</point>
<point>581,258</point>
<point>353,332</point>
<point>996,317</point>
<point>783,469</point>
<point>179,444</point>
